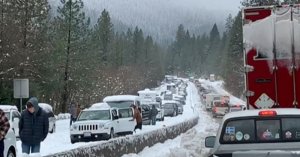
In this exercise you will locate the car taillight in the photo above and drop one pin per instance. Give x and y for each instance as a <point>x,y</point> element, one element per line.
<point>267,113</point>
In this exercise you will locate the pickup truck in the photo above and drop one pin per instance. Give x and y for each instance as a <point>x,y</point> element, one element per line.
<point>256,130</point>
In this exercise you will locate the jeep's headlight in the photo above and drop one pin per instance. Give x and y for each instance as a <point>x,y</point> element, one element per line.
<point>74,126</point>
<point>101,125</point>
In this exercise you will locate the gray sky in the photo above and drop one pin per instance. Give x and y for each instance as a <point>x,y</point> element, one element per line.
<point>229,5</point>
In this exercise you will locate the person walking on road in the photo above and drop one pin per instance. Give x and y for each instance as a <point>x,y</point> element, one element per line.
<point>33,127</point>
<point>153,114</point>
<point>4,127</point>
<point>138,117</point>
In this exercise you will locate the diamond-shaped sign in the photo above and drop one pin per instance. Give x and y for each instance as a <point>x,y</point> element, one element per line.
<point>264,101</point>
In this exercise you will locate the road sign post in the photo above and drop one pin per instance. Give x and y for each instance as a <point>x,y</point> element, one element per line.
<point>21,89</point>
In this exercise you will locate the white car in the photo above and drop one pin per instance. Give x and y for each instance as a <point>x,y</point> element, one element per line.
<point>14,116</point>
<point>52,120</point>
<point>101,122</point>
<point>10,149</point>
<point>263,131</point>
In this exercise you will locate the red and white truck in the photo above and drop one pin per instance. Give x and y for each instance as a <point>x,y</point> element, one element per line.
<point>271,37</point>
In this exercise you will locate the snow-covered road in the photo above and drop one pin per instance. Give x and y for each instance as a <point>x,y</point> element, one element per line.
<point>60,140</point>
<point>187,144</point>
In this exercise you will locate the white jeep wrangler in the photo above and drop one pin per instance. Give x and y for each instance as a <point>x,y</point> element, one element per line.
<point>101,122</point>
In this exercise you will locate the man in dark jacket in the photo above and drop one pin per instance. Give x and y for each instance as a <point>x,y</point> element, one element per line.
<point>153,114</point>
<point>33,127</point>
<point>4,127</point>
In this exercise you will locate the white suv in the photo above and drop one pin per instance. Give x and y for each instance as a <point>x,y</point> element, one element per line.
<point>259,132</point>
<point>10,149</point>
<point>14,116</point>
<point>101,122</point>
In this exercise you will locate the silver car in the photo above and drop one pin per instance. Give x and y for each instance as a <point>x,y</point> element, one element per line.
<point>52,120</point>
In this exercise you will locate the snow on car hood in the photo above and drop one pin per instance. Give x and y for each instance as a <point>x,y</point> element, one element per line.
<point>91,122</point>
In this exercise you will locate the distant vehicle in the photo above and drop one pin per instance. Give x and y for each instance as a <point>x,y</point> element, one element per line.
<point>147,95</point>
<point>235,108</point>
<point>161,111</point>
<point>271,56</point>
<point>52,120</point>
<point>219,108</point>
<point>256,130</point>
<point>14,116</point>
<point>209,98</point>
<point>170,107</point>
<point>212,77</point>
<point>146,114</point>
<point>124,101</point>
<point>101,122</point>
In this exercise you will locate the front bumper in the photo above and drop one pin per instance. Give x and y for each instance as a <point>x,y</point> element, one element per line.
<point>90,137</point>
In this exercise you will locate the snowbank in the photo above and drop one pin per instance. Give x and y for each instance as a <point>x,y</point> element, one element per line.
<point>132,143</point>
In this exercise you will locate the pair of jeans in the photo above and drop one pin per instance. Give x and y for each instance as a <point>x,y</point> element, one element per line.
<point>31,148</point>
<point>153,119</point>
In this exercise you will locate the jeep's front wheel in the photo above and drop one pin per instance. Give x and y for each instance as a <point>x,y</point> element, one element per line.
<point>10,154</point>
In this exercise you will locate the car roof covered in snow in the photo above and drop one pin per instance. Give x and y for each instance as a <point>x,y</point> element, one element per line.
<point>147,91</point>
<point>46,107</point>
<point>170,101</point>
<point>120,98</point>
<point>7,108</point>
<point>100,105</point>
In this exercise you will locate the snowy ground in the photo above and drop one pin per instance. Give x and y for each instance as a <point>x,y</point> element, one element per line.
<point>60,140</point>
<point>190,143</point>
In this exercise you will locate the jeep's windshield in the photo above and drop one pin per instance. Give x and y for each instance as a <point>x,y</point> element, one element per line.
<point>120,104</point>
<point>7,114</point>
<point>94,115</point>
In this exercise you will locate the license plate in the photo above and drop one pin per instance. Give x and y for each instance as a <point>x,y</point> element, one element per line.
<point>87,134</point>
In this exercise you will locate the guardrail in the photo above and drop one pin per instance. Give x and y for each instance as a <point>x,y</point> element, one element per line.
<point>129,144</point>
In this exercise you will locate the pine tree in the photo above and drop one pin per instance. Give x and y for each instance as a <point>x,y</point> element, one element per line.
<point>104,35</point>
<point>70,25</point>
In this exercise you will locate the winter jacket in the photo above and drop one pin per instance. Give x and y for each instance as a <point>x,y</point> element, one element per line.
<point>137,116</point>
<point>153,112</point>
<point>4,125</point>
<point>33,127</point>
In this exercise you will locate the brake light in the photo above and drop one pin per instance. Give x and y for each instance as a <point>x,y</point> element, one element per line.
<point>267,113</point>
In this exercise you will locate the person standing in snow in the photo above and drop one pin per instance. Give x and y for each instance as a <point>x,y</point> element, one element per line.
<point>74,111</point>
<point>138,117</point>
<point>153,114</point>
<point>4,127</point>
<point>33,127</point>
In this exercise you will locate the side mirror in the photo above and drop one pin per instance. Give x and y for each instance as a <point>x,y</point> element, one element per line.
<point>210,141</point>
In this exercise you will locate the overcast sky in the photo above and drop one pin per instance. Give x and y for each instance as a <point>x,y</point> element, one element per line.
<point>232,5</point>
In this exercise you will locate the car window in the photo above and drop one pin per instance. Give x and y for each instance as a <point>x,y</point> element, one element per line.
<point>267,130</point>
<point>16,114</point>
<point>7,115</point>
<point>50,114</point>
<point>125,113</point>
<point>94,115</point>
<point>291,129</point>
<point>261,130</point>
<point>238,131</point>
